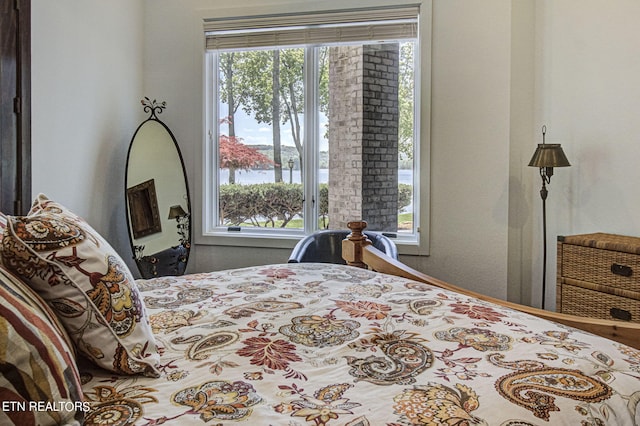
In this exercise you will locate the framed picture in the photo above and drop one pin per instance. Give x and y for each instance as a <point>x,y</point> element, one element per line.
<point>143,209</point>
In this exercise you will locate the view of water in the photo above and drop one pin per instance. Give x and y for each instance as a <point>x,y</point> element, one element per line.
<point>264,176</point>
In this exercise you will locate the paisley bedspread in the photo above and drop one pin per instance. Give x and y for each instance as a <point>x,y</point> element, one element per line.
<point>320,344</point>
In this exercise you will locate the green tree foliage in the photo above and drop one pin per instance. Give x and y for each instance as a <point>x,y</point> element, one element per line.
<point>406,98</point>
<point>249,80</point>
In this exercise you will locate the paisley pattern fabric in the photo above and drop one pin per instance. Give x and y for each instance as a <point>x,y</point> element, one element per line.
<point>322,344</point>
<point>86,283</point>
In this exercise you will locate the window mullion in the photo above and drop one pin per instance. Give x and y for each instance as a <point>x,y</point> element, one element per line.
<point>210,154</point>
<point>416,138</point>
<point>311,195</point>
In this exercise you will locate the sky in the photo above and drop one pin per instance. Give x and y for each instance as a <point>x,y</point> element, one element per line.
<point>254,133</point>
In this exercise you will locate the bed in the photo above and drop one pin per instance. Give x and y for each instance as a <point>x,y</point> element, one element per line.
<point>324,344</point>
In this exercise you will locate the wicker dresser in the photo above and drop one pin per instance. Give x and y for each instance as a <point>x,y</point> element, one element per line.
<point>598,276</point>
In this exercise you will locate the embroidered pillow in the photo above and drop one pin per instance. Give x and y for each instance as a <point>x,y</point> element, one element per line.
<point>86,284</point>
<point>39,380</point>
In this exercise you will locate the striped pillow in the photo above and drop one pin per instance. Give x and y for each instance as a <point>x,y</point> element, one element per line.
<point>39,380</point>
<point>3,224</point>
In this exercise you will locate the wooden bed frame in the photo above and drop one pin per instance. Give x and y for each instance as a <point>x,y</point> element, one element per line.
<point>358,251</point>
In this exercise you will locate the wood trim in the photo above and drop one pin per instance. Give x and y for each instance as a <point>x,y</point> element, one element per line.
<point>15,106</point>
<point>23,185</point>
<point>357,251</point>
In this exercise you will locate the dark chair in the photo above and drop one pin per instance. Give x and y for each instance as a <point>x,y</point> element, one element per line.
<point>326,247</point>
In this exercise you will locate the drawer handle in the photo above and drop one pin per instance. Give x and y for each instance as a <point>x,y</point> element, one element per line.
<point>620,314</point>
<point>622,270</point>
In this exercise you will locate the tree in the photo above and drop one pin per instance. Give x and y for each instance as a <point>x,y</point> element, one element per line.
<point>406,98</point>
<point>269,85</point>
<point>235,155</point>
<point>233,79</point>
<point>228,83</point>
<point>272,91</point>
<point>275,115</point>
<point>292,93</point>
<point>236,75</point>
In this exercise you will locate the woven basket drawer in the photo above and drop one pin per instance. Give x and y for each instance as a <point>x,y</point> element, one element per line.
<point>604,267</point>
<point>589,303</point>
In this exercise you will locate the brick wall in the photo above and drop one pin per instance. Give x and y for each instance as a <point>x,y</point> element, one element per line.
<point>363,136</point>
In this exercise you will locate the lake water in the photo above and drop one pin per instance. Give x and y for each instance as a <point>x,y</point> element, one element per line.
<point>264,176</point>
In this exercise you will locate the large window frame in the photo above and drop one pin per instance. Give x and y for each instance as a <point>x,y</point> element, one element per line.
<point>310,192</point>
<point>413,243</point>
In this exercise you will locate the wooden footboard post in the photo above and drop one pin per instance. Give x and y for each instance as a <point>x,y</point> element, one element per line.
<point>353,244</point>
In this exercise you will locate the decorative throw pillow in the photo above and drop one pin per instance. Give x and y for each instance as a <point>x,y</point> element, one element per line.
<point>39,380</point>
<point>86,284</point>
<point>3,225</point>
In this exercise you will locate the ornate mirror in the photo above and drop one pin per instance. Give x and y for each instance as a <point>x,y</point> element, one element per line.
<point>157,198</point>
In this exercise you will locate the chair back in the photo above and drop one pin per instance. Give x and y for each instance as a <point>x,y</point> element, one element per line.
<point>326,247</point>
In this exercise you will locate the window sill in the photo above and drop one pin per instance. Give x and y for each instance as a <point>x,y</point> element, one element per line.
<point>286,241</point>
<point>239,239</point>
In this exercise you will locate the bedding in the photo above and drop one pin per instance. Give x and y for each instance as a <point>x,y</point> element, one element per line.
<point>324,344</point>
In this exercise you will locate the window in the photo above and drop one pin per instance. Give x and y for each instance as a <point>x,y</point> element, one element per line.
<point>311,122</point>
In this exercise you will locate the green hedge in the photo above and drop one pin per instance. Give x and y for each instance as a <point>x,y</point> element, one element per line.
<point>275,204</point>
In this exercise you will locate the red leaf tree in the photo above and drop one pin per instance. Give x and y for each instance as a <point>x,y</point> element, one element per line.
<point>235,155</point>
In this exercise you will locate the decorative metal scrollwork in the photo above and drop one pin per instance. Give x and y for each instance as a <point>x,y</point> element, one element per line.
<point>152,106</point>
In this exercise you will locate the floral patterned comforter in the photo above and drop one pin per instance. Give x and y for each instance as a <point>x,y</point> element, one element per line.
<point>321,344</point>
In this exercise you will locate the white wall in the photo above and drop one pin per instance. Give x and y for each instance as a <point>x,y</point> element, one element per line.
<point>589,97</point>
<point>470,144</point>
<point>87,78</point>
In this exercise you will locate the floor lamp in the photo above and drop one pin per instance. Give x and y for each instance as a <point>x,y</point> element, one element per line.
<point>546,157</point>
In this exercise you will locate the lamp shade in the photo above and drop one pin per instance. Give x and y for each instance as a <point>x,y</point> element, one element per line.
<point>176,212</point>
<point>549,155</point>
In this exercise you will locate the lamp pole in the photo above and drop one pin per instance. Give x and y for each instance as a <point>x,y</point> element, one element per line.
<point>543,194</point>
<point>290,163</point>
<point>546,157</point>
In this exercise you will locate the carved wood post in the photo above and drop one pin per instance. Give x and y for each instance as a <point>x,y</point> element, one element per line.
<point>352,245</point>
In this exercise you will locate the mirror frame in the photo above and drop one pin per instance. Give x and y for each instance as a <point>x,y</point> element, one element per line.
<point>174,259</point>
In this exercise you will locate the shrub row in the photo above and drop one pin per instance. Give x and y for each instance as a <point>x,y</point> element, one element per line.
<point>275,204</point>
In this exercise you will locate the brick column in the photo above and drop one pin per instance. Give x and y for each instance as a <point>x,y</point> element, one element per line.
<point>345,135</point>
<point>363,136</point>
